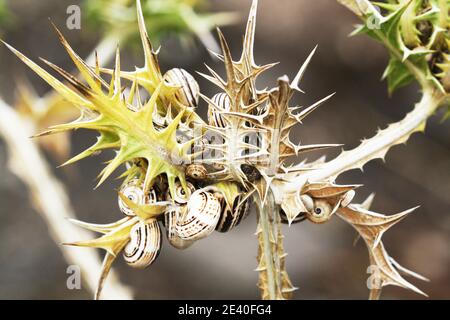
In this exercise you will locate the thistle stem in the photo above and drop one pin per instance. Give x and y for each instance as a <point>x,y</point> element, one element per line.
<point>267,275</point>
<point>378,146</point>
<point>273,280</point>
<point>50,199</point>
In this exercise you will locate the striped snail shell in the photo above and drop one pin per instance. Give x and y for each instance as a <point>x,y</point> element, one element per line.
<point>144,245</point>
<point>321,213</point>
<point>196,171</point>
<point>230,218</point>
<point>170,219</point>
<point>221,100</point>
<point>134,190</point>
<point>200,219</point>
<point>182,197</point>
<point>189,91</point>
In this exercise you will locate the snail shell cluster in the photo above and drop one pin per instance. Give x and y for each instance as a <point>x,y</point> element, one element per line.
<point>189,91</point>
<point>192,214</point>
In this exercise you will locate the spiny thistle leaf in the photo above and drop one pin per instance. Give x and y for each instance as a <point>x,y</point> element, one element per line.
<point>371,227</point>
<point>114,238</point>
<point>132,134</point>
<point>150,76</point>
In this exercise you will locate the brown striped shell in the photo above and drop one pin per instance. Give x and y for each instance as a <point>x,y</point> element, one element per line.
<point>189,91</point>
<point>144,245</point>
<point>231,217</point>
<point>222,101</point>
<point>196,171</point>
<point>200,219</point>
<point>134,190</point>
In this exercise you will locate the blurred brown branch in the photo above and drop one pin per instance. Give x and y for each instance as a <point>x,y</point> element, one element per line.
<point>50,198</point>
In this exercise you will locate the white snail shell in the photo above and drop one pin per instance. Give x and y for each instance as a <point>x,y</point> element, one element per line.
<point>189,89</point>
<point>134,190</point>
<point>201,217</point>
<point>348,198</point>
<point>321,213</point>
<point>222,100</point>
<point>144,245</point>
<point>196,171</point>
<point>231,218</point>
<point>170,219</point>
<point>182,196</point>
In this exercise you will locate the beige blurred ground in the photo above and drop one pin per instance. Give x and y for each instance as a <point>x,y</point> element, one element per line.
<point>322,261</point>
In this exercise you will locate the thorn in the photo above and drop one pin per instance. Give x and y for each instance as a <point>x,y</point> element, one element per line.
<point>299,76</point>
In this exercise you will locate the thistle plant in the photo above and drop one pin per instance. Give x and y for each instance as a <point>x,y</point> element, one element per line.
<point>191,176</point>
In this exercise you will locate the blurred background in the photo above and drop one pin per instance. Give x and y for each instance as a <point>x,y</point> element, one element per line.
<point>322,261</point>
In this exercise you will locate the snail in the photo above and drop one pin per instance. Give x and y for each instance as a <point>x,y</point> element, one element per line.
<point>181,196</point>
<point>189,91</point>
<point>221,100</point>
<point>196,171</point>
<point>134,191</point>
<point>321,212</point>
<point>171,217</point>
<point>144,245</point>
<point>231,217</point>
<point>201,215</point>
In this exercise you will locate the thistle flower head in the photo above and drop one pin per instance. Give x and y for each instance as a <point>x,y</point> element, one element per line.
<point>416,34</point>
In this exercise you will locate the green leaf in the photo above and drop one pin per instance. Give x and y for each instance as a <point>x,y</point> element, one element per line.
<point>397,75</point>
